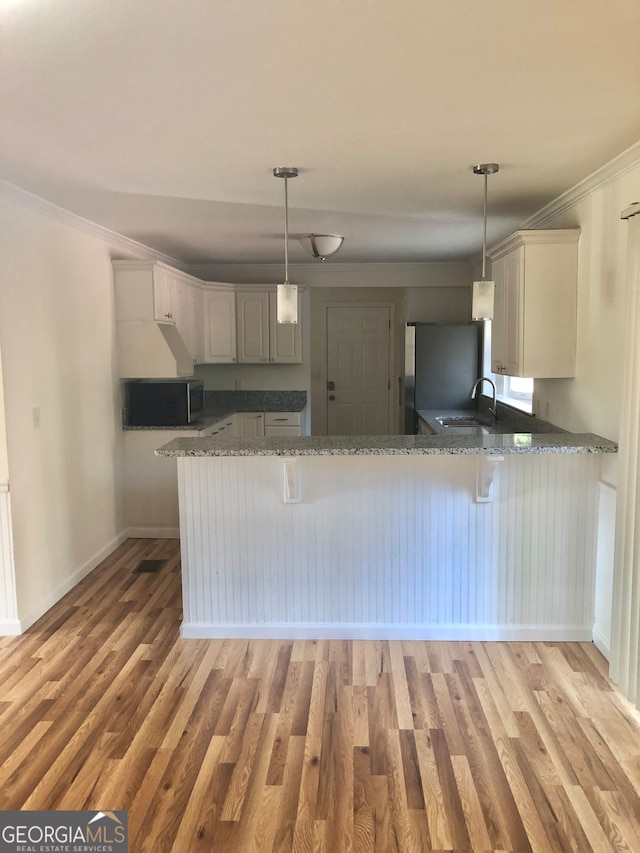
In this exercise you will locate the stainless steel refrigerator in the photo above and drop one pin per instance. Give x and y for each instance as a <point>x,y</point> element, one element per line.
<point>441,364</point>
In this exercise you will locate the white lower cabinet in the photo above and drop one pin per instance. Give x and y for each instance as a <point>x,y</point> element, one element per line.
<point>281,424</point>
<point>249,424</point>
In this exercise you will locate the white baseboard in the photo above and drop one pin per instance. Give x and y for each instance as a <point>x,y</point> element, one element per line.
<point>601,643</point>
<point>360,631</point>
<point>28,619</point>
<point>10,627</point>
<point>153,532</point>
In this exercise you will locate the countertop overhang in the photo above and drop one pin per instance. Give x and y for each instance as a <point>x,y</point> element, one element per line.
<point>391,445</point>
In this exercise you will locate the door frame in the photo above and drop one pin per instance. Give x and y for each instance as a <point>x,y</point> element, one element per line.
<point>322,403</point>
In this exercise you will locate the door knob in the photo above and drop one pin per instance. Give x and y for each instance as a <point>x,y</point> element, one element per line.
<point>332,396</point>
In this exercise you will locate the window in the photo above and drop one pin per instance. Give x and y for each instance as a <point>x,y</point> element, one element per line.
<point>516,391</point>
<point>513,390</point>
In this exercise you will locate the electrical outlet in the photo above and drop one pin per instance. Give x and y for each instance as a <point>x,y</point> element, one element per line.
<point>36,417</point>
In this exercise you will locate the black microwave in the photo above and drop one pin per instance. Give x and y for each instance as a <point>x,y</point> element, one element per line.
<point>164,403</point>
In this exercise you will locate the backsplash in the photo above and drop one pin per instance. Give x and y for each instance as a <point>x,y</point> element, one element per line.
<point>254,401</point>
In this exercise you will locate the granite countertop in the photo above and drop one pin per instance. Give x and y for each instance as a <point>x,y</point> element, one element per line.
<point>514,432</point>
<point>509,421</point>
<point>391,445</point>
<point>223,404</point>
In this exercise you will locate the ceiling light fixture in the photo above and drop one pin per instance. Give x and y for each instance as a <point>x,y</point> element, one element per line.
<point>482,296</point>
<point>287,294</point>
<point>321,245</point>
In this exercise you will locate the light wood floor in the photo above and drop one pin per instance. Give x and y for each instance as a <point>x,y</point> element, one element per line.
<point>253,747</point>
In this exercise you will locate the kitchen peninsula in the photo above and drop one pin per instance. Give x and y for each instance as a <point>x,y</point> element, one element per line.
<point>466,536</point>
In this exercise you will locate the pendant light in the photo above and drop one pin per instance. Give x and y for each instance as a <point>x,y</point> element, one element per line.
<point>321,245</point>
<point>287,294</point>
<point>482,295</point>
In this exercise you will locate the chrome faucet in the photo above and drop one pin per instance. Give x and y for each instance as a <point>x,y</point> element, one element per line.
<point>474,391</point>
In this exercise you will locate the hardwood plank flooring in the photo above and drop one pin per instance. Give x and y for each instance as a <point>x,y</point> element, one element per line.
<point>237,746</point>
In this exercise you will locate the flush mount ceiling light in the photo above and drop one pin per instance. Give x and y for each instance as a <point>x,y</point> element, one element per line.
<point>483,291</point>
<point>287,294</point>
<point>321,245</point>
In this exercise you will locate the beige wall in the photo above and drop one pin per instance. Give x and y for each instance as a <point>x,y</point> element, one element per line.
<point>57,334</point>
<point>591,401</point>
<point>4,459</point>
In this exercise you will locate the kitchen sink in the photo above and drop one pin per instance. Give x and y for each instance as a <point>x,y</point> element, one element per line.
<point>461,421</point>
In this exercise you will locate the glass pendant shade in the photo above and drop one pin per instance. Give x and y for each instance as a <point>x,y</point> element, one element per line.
<point>482,297</point>
<point>321,245</point>
<point>287,303</point>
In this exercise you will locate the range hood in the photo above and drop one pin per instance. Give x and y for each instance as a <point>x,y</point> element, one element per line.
<point>151,350</point>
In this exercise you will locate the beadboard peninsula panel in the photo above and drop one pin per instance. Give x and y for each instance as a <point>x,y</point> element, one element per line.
<point>389,546</point>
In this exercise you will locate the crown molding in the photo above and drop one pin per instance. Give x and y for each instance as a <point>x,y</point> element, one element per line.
<point>611,171</point>
<point>60,214</point>
<point>535,236</point>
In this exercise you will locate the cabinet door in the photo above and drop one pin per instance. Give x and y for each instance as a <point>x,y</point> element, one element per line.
<point>249,424</point>
<point>185,318</point>
<point>165,296</point>
<point>514,263</point>
<point>498,324</point>
<point>281,423</point>
<point>281,431</point>
<point>252,309</point>
<point>279,419</point>
<point>285,340</point>
<point>197,309</point>
<point>219,321</point>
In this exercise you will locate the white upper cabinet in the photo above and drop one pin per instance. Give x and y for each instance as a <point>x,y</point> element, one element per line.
<point>535,317</point>
<point>185,316</point>
<point>197,308</point>
<point>165,295</point>
<point>213,323</point>
<point>252,316</point>
<point>150,346</point>
<point>261,340</point>
<point>219,324</point>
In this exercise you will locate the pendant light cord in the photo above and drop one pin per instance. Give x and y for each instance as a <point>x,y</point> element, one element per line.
<point>484,230</point>
<point>286,232</point>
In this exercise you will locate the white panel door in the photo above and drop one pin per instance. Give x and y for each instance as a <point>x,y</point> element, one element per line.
<point>358,386</point>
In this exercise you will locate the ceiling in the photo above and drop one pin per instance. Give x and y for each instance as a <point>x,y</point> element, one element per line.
<point>163,120</point>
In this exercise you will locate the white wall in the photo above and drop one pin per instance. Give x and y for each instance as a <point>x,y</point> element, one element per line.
<point>57,333</point>
<point>591,402</point>
<point>4,458</point>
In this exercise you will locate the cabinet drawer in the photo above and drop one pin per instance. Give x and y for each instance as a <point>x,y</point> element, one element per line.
<point>282,419</point>
<point>273,431</point>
